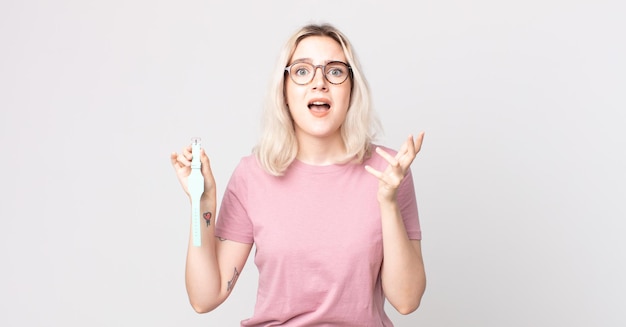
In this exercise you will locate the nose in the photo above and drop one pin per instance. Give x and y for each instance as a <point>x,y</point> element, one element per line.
<point>319,80</point>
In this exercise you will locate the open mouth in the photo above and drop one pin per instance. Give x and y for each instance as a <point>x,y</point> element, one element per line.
<point>319,108</point>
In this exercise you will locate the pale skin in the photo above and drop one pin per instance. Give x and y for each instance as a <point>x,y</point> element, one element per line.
<point>403,276</point>
<point>212,269</point>
<point>320,142</point>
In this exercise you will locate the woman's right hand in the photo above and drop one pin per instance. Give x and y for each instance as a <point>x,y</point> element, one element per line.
<point>182,165</point>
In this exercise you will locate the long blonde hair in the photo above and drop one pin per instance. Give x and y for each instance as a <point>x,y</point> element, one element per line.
<point>278,146</point>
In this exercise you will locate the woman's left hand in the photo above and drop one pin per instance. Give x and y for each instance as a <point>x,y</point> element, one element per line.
<point>390,179</point>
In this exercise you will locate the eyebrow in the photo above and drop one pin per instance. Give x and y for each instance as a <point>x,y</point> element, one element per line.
<point>308,60</point>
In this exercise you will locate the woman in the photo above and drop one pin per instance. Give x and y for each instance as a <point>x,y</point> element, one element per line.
<point>320,201</point>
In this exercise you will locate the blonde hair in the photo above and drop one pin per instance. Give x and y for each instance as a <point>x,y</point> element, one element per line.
<point>278,146</point>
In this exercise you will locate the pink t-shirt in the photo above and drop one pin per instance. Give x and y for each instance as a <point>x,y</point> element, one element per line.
<point>317,232</point>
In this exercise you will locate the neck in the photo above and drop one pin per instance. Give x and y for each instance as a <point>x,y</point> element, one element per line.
<point>316,151</point>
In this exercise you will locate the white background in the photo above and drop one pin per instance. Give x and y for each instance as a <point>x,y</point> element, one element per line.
<point>520,180</point>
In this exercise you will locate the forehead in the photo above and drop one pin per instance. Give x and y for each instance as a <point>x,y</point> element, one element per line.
<point>318,49</point>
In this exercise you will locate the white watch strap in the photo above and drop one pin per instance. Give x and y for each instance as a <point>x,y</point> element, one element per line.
<point>196,188</point>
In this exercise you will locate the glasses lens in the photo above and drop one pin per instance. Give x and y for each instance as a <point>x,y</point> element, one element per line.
<point>336,72</point>
<point>302,72</point>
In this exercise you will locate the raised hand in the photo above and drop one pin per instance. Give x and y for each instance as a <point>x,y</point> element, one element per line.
<point>182,166</point>
<point>391,177</point>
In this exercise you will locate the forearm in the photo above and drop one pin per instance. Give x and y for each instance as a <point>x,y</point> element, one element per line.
<point>202,273</point>
<point>403,275</point>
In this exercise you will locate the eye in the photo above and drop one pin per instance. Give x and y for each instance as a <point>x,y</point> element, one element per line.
<point>301,70</point>
<point>336,70</point>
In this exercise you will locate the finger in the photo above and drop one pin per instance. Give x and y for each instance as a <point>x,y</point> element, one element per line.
<point>418,142</point>
<point>183,161</point>
<point>404,147</point>
<point>406,154</point>
<point>390,180</point>
<point>414,146</point>
<point>206,163</point>
<point>187,152</point>
<point>391,160</point>
<point>407,148</point>
<point>174,159</point>
<point>374,172</point>
<point>204,158</point>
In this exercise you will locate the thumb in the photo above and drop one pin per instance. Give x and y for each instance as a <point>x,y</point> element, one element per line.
<point>206,163</point>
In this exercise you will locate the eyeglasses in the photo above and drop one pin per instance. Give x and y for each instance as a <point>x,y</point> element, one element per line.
<point>335,72</point>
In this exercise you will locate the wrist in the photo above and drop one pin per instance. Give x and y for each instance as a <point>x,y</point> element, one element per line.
<point>207,197</point>
<point>385,197</point>
<point>387,202</point>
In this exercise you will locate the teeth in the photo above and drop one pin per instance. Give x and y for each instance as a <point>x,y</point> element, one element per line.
<point>319,103</point>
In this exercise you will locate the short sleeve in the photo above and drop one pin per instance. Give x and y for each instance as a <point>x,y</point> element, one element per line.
<point>233,222</point>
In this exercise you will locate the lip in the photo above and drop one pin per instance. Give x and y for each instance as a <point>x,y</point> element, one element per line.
<point>320,113</point>
<point>325,100</point>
